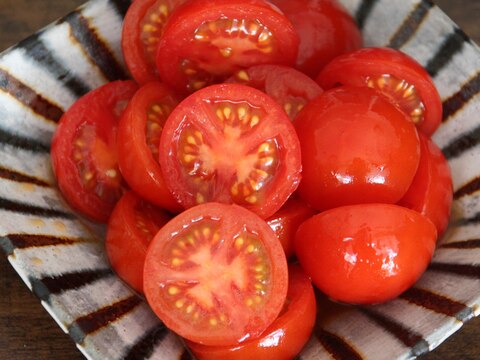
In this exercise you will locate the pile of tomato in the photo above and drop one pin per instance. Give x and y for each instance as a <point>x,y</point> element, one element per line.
<point>259,149</point>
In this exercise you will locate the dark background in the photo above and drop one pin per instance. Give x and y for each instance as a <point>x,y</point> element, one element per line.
<point>26,330</point>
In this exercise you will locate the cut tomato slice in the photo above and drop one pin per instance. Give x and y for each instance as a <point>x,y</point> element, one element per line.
<point>142,28</point>
<point>289,87</point>
<point>216,274</point>
<point>132,225</point>
<point>205,42</point>
<point>230,143</point>
<point>285,338</point>
<point>396,75</point>
<point>138,140</point>
<point>84,150</point>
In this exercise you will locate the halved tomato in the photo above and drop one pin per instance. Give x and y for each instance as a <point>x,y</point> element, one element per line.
<point>142,28</point>
<point>138,140</point>
<point>431,192</point>
<point>207,41</point>
<point>230,143</point>
<point>289,87</point>
<point>326,30</point>
<point>285,338</point>
<point>286,221</point>
<point>132,225</point>
<point>396,75</point>
<point>216,274</point>
<point>84,150</point>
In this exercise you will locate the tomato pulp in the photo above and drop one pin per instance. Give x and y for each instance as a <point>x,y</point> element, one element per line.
<point>216,274</point>
<point>230,143</point>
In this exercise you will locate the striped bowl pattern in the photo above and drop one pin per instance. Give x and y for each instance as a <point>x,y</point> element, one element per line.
<point>61,258</point>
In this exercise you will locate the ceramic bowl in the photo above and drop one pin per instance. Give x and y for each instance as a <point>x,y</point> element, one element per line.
<point>61,257</point>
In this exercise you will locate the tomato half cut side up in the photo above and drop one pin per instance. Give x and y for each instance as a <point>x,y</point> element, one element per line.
<point>131,227</point>
<point>431,192</point>
<point>84,150</point>
<point>398,76</point>
<point>230,143</point>
<point>216,274</point>
<point>282,340</point>
<point>138,141</point>
<point>205,42</point>
<point>142,28</point>
<point>289,87</point>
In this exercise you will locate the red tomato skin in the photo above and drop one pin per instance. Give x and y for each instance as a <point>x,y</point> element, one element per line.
<point>364,254</point>
<point>290,88</point>
<point>138,166</point>
<point>127,240</point>
<point>431,192</point>
<point>285,338</point>
<point>288,174</point>
<point>326,30</point>
<point>178,42</point>
<point>356,148</point>
<point>286,221</point>
<point>141,66</point>
<point>238,218</point>
<point>102,108</point>
<point>353,68</point>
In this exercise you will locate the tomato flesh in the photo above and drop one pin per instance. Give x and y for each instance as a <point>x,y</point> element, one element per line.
<point>216,274</point>
<point>282,340</point>
<point>206,42</point>
<point>233,144</point>
<point>84,150</point>
<point>289,87</point>
<point>132,225</point>
<point>139,134</point>
<point>403,80</point>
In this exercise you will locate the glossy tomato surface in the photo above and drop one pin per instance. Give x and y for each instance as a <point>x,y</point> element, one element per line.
<point>284,339</point>
<point>289,87</point>
<point>325,28</point>
<point>286,221</point>
<point>138,141</point>
<point>431,192</point>
<point>366,253</point>
<point>207,41</point>
<point>132,225</point>
<point>230,143</point>
<point>394,74</point>
<point>142,28</point>
<point>84,150</point>
<point>357,147</point>
<point>216,274</point>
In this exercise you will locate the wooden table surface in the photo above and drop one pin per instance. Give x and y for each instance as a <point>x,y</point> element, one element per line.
<point>26,330</point>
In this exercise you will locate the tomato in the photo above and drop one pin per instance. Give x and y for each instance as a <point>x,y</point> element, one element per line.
<point>84,151</point>
<point>138,140</point>
<point>356,148</point>
<point>395,75</point>
<point>216,274</point>
<point>207,41</point>
<point>289,87</point>
<point>230,143</point>
<point>284,339</point>
<point>132,225</point>
<point>325,28</point>
<point>142,28</point>
<point>431,192</point>
<point>286,221</point>
<point>366,253</point>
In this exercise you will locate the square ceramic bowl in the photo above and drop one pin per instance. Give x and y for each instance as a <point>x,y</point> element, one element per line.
<point>61,259</point>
